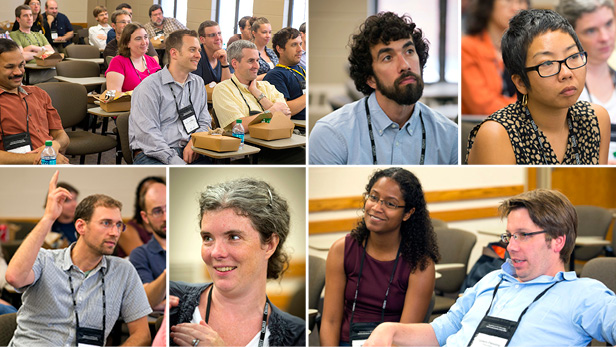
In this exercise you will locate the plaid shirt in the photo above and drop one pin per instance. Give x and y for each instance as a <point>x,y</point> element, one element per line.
<point>170,25</point>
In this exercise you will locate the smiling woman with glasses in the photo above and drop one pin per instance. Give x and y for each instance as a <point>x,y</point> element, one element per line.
<point>547,125</point>
<point>383,271</point>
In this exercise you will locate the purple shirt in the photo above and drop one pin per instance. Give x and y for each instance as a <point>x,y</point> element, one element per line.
<point>132,76</point>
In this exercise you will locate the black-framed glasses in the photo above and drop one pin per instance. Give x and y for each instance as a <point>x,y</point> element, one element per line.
<point>389,204</point>
<point>552,67</point>
<point>506,237</point>
<point>213,34</point>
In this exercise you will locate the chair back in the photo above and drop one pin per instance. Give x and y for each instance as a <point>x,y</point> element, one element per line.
<point>77,68</point>
<point>592,221</point>
<point>438,223</point>
<point>316,274</point>
<point>69,99</point>
<point>82,51</point>
<point>83,36</point>
<point>455,246</point>
<point>8,324</point>
<point>603,270</point>
<point>122,124</point>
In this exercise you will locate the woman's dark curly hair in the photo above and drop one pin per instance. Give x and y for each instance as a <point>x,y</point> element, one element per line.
<point>258,201</point>
<point>142,188</point>
<point>418,244</point>
<point>383,27</point>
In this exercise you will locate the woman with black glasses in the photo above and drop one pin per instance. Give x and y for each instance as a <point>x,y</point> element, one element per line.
<point>383,271</point>
<point>546,125</point>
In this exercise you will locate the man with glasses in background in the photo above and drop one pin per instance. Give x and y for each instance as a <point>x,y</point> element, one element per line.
<point>75,295</point>
<point>531,301</point>
<point>119,20</point>
<point>150,259</point>
<point>213,65</point>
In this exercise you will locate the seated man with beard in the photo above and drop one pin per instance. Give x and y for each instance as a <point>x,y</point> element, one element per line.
<point>389,126</point>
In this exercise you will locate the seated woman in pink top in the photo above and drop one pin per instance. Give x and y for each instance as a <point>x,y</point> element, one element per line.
<point>131,65</point>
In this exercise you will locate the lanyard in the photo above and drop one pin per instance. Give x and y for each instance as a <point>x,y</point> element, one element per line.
<point>290,69</point>
<point>27,37</point>
<point>177,107</point>
<point>250,111</point>
<point>70,281</point>
<point>27,117</point>
<point>137,71</point>
<point>391,278</point>
<point>263,323</point>
<point>572,137</point>
<point>527,307</point>
<point>423,136</point>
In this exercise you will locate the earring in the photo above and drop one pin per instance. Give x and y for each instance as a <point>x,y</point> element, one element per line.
<point>524,100</point>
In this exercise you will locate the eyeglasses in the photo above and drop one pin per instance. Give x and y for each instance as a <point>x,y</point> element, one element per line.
<point>123,22</point>
<point>521,237</point>
<point>108,224</point>
<point>389,204</point>
<point>158,212</point>
<point>552,67</point>
<point>213,34</point>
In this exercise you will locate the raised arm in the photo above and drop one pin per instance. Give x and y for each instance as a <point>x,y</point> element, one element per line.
<point>333,305</point>
<point>19,272</point>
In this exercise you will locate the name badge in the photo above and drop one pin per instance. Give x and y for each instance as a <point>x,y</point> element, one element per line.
<point>493,332</point>
<point>189,119</point>
<point>17,143</point>
<point>88,337</point>
<point>303,86</point>
<point>54,35</point>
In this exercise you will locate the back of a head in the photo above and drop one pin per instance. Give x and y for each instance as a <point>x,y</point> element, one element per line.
<point>7,45</point>
<point>524,27</point>
<point>123,5</point>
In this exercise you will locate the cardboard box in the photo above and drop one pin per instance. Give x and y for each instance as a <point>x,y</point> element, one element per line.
<point>216,143</point>
<point>51,60</point>
<point>209,89</point>
<point>279,127</point>
<point>119,104</point>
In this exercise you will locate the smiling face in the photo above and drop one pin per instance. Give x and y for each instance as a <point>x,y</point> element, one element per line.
<point>378,217</point>
<point>596,32</point>
<point>12,69</point>
<point>534,256</point>
<point>292,52</point>
<point>397,72</point>
<point>246,70</point>
<point>232,251</point>
<point>100,233</point>
<point>138,43</point>
<point>187,58</point>
<point>212,39</point>
<point>263,35</point>
<point>561,90</point>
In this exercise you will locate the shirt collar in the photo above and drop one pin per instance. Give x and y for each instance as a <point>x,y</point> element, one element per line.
<point>509,275</point>
<point>381,122</point>
<point>240,84</point>
<point>153,246</point>
<point>67,261</point>
<point>20,89</point>
<point>166,77</point>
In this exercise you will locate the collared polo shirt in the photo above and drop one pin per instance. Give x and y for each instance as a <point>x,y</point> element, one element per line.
<point>149,260</point>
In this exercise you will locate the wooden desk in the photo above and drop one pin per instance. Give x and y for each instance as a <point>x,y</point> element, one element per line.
<point>33,66</point>
<point>225,157</point>
<point>292,142</point>
<point>99,61</point>
<point>84,81</point>
<point>301,123</point>
<point>97,111</point>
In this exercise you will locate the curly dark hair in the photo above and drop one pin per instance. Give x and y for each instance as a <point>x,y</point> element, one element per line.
<point>383,27</point>
<point>418,244</point>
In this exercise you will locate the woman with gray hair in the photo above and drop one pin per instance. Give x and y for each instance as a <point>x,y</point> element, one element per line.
<point>593,21</point>
<point>244,224</point>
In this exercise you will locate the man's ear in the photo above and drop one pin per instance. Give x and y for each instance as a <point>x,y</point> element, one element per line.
<point>202,40</point>
<point>234,63</point>
<point>371,82</point>
<point>279,49</point>
<point>144,216</point>
<point>80,226</point>
<point>519,84</point>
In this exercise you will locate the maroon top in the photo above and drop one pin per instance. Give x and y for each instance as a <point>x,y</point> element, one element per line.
<point>374,280</point>
<point>144,235</point>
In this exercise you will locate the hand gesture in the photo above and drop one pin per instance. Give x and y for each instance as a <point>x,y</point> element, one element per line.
<point>55,198</point>
<point>221,55</point>
<point>191,334</point>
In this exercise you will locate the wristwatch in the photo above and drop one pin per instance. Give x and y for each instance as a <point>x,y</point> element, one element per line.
<point>260,97</point>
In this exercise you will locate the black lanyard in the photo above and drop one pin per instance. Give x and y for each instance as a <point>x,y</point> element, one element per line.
<point>137,71</point>
<point>70,281</point>
<point>391,278</point>
<point>27,116</point>
<point>423,136</point>
<point>27,37</point>
<point>250,111</point>
<point>572,137</point>
<point>177,107</point>
<point>263,323</point>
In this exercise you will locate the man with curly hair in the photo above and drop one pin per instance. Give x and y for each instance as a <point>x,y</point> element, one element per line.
<point>389,125</point>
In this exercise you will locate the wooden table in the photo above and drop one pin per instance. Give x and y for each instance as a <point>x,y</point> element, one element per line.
<point>84,81</point>
<point>97,111</point>
<point>33,66</point>
<point>225,157</point>
<point>99,61</point>
<point>292,142</point>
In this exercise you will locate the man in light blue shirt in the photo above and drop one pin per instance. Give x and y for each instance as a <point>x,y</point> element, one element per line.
<point>390,125</point>
<point>531,301</point>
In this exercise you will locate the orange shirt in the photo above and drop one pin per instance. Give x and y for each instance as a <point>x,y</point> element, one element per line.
<point>43,116</point>
<point>482,84</point>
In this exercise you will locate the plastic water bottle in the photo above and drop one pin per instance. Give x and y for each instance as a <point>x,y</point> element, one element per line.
<point>48,155</point>
<point>238,131</point>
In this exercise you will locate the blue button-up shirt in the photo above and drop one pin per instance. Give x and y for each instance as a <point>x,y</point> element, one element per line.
<point>571,313</point>
<point>342,137</point>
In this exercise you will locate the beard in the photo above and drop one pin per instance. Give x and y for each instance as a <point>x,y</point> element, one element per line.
<point>403,95</point>
<point>161,232</point>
